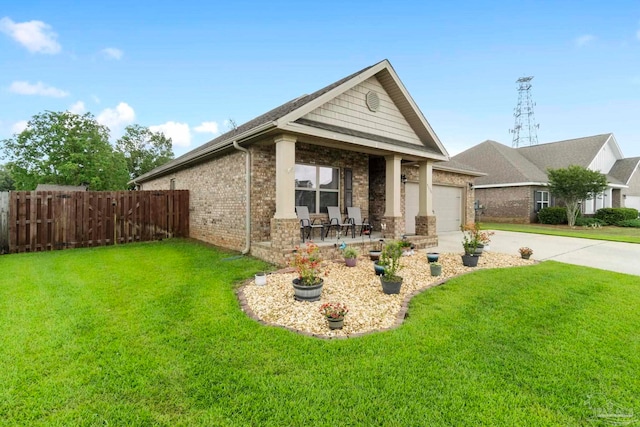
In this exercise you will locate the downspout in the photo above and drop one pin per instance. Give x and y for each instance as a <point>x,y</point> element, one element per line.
<point>247,180</point>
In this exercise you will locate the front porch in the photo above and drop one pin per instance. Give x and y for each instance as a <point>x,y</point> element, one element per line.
<point>330,246</point>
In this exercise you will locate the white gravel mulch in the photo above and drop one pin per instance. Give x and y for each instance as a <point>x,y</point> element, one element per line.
<point>359,288</point>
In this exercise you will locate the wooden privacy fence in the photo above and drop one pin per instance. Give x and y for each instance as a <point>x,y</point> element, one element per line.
<point>50,220</point>
<point>4,222</point>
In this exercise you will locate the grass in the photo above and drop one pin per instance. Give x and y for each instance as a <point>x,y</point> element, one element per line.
<point>152,334</point>
<point>610,233</point>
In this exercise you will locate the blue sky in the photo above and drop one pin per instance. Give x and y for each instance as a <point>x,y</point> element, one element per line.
<point>187,67</point>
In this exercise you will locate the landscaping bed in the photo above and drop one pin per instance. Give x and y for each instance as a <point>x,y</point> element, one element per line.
<point>359,288</point>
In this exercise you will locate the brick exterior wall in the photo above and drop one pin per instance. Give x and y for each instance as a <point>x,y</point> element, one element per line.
<point>216,199</point>
<point>507,204</point>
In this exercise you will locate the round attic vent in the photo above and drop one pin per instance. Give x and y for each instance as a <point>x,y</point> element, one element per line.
<point>373,102</point>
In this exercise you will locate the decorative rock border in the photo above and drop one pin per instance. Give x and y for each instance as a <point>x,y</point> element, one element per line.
<point>358,287</point>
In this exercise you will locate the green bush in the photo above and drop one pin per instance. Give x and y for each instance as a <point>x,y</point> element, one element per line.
<point>552,215</point>
<point>589,222</point>
<point>613,216</point>
<point>629,223</point>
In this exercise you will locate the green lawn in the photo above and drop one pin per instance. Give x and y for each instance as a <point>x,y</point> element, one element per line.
<point>152,334</point>
<point>610,233</point>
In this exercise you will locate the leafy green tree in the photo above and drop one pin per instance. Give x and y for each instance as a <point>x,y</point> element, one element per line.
<point>66,149</point>
<point>6,180</point>
<point>143,149</point>
<point>573,185</point>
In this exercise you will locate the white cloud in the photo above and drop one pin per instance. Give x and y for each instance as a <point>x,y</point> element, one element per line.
<point>112,53</point>
<point>207,127</point>
<point>179,133</point>
<point>26,88</point>
<point>77,108</point>
<point>18,127</point>
<point>117,118</point>
<point>36,36</point>
<point>584,40</point>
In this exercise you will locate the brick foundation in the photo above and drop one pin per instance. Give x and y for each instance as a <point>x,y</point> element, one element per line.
<point>426,225</point>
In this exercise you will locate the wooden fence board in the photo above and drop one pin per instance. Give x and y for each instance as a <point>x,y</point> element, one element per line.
<point>49,220</point>
<point>4,222</point>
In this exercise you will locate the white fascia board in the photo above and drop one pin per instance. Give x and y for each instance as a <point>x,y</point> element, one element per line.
<point>363,142</point>
<point>513,184</point>
<point>610,185</point>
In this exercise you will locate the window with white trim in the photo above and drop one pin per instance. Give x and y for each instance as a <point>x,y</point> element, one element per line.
<point>542,200</point>
<point>317,187</point>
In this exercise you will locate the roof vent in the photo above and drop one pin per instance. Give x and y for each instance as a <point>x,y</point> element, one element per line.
<point>373,101</point>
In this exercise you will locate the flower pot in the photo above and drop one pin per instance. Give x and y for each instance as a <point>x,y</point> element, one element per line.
<point>479,249</point>
<point>525,256</point>
<point>470,260</point>
<point>390,287</point>
<point>379,269</point>
<point>374,255</point>
<point>335,323</point>
<point>433,256</point>
<point>436,270</point>
<point>261,279</point>
<point>350,262</point>
<point>307,293</point>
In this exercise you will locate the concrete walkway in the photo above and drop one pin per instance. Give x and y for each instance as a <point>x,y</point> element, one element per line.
<point>613,256</point>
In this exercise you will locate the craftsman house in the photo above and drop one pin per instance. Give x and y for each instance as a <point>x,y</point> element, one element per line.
<point>514,188</point>
<point>361,141</point>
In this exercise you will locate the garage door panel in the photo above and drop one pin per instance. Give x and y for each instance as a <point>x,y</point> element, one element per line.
<point>447,205</point>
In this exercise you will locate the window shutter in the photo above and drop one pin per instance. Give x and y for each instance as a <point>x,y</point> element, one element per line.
<point>348,188</point>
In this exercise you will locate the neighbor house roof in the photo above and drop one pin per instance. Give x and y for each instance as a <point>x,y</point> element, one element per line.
<point>623,169</point>
<point>288,118</point>
<point>529,165</point>
<point>561,154</point>
<point>457,167</point>
<point>55,187</point>
<point>501,163</point>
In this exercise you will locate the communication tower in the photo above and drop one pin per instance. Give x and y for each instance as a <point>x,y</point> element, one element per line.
<point>525,128</point>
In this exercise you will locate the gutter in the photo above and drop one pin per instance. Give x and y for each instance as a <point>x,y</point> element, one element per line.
<point>247,180</point>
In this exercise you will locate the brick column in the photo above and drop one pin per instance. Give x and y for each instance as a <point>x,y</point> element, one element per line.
<point>394,227</point>
<point>285,233</point>
<point>426,225</point>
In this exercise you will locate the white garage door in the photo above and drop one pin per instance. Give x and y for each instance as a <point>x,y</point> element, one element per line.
<point>411,192</point>
<point>447,204</point>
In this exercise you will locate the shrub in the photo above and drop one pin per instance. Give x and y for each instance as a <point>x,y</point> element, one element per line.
<point>589,222</point>
<point>552,215</point>
<point>612,216</point>
<point>629,223</point>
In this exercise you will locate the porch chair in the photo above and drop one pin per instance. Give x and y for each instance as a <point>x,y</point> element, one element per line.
<point>336,221</point>
<point>307,225</point>
<point>355,217</point>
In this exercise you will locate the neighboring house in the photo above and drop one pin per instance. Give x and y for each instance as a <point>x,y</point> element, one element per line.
<point>55,187</point>
<point>361,141</point>
<point>515,186</point>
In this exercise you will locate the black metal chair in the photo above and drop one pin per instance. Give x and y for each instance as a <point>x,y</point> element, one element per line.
<point>307,225</point>
<point>336,221</point>
<point>355,217</point>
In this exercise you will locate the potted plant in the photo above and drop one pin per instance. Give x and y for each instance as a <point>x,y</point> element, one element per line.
<point>470,244</point>
<point>475,237</point>
<point>334,312</point>
<point>307,262</point>
<point>436,268</point>
<point>350,255</point>
<point>390,258</point>
<point>374,254</point>
<point>525,252</point>
<point>405,246</point>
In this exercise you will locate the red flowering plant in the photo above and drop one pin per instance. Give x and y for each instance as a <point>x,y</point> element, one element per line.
<point>474,236</point>
<point>334,310</point>
<point>307,262</point>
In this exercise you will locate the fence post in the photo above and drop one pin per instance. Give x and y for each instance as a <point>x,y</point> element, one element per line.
<point>4,222</point>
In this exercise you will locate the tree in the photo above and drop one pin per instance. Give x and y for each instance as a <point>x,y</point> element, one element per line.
<point>143,149</point>
<point>66,149</point>
<point>6,180</point>
<point>573,185</point>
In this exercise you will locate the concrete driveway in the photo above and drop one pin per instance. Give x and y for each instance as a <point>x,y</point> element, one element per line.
<point>613,256</point>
